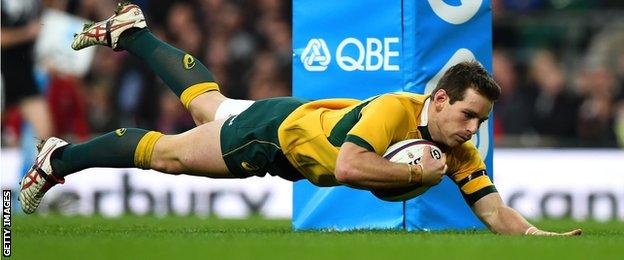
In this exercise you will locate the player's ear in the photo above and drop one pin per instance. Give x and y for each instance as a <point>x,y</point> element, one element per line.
<point>439,98</point>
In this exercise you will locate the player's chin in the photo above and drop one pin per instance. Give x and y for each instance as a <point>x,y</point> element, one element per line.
<point>455,140</point>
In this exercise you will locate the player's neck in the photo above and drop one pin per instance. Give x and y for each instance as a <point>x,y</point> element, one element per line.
<point>432,124</point>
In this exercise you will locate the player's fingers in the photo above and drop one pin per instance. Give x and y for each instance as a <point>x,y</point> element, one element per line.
<point>427,152</point>
<point>576,232</point>
<point>443,158</point>
<point>543,233</point>
<point>442,164</point>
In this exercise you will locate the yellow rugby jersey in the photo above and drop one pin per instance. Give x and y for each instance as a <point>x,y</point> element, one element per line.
<point>310,137</point>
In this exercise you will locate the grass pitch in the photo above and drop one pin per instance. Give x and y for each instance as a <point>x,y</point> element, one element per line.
<point>57,237</point>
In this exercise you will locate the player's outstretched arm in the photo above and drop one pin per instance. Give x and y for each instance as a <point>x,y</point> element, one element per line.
<point>501,219</point>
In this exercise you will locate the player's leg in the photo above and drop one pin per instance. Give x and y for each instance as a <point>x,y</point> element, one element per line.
<point>187,77</point>
<point>196,152</point>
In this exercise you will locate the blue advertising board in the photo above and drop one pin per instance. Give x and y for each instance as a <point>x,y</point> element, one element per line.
<point>359,49</point>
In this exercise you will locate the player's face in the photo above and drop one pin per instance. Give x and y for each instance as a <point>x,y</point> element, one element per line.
<point>457,123</point>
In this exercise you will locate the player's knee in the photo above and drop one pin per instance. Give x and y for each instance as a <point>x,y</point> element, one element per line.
<point>204,106</point>
<point>158,164</point>
<point>166,155</point>
<point>165,165</point>
<point>199,117</point>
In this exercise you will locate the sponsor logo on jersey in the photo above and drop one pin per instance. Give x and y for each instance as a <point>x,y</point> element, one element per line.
<point>121,131</point>
<point>249,167</point>
<point>189,61</point>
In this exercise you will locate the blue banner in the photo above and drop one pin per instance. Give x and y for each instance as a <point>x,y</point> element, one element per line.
<point>346,48</point>
<point>445,35</point>
<point>359,49</point>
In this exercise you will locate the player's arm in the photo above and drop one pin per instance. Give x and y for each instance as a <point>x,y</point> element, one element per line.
<point>359,163</point>
<point>360,168</point>
<point>501,219</point>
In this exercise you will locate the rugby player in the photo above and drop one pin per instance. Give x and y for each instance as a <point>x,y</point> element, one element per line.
<point>329,142</point>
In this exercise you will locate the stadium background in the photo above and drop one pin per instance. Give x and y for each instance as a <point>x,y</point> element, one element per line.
<point>560,64</point>
<point>549,56</point>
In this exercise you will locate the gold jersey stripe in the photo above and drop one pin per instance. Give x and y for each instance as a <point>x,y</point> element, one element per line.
<point>476,184</point>
<point>193,91</point>
<point>143,152</point>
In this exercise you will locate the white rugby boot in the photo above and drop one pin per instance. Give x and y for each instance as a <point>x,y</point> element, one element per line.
<point>39,178</point>
<point>107,32</point>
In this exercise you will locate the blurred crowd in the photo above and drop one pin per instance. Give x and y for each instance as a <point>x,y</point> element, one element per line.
<point>561,67</point>
<point>562,76</point>
<point>245,43</point>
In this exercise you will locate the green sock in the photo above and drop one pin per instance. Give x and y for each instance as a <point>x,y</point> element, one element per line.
<point>122,148</point>
<point>176,68</point>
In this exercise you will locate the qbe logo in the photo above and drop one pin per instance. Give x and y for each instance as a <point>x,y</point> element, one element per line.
<point>352,54</point>
<point>316,56</point>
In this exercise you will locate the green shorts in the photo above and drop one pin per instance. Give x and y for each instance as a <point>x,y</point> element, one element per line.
<point>249,142</point>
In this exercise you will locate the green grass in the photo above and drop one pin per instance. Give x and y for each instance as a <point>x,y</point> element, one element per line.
<point>57,237</point>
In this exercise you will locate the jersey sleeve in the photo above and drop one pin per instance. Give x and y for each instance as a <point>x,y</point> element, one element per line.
<point>381,121</point>
<point>467,170</point>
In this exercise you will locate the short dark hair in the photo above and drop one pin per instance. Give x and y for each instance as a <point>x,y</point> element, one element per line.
<point>464,75</point>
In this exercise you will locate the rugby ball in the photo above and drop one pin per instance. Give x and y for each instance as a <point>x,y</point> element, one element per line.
<point>406,151</point>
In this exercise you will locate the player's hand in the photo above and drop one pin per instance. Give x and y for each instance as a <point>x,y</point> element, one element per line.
<point>433,170</point>
<point>538,232</point>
